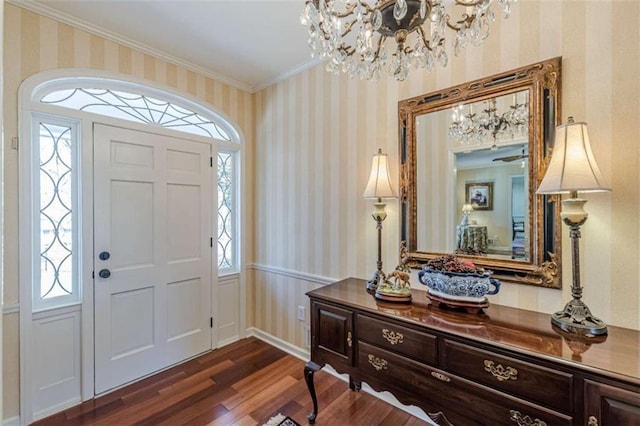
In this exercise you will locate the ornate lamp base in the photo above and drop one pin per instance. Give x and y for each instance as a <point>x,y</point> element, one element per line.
<point>576,318</point>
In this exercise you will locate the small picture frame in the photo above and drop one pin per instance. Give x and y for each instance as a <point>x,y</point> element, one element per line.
<point>479,195</point>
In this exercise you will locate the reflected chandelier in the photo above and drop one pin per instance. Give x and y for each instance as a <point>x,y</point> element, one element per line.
<point>352,33</point>
<point>475,128</point>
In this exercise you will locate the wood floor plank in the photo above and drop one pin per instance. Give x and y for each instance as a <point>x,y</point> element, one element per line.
<point>139,412</point>
<point>207,417</point>
<point>188,409</point>
<point>244,383</point>
<point>244,407</point>
<point>246,421</point>
<point>263,378</point>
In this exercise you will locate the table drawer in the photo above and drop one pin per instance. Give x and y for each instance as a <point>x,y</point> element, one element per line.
<point>532,382</point>
<point>403,340</point>
<point>451,394</point>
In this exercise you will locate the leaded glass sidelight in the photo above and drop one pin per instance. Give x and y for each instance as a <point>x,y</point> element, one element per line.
<point>225,211</point>
<point>56,175</point>
<point>136,107</point>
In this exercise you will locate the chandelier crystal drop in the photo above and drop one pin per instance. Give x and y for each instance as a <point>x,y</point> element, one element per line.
<point>474,128</point>
<point>353,34</point>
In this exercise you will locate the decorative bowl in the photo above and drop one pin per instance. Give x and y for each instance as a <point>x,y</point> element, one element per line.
<point>471,287</point>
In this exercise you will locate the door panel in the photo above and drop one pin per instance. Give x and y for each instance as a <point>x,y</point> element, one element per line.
<point>129,337</point>
<point>152,213</point>
<point>183,309</point>
<point>132,238</point>
<point>184,229</point>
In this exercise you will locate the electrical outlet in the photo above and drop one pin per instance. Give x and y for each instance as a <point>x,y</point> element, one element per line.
<point>301,315</point>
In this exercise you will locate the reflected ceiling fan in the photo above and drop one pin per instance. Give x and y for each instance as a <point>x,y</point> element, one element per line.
<point>510,158</point>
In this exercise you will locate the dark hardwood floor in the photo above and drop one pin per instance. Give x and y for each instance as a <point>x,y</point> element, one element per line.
<point>245,383</point>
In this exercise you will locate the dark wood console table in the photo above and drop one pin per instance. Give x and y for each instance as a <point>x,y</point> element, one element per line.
<point>504,366</point>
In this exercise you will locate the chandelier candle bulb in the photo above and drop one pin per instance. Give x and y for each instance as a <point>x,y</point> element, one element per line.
<point>342,31</point>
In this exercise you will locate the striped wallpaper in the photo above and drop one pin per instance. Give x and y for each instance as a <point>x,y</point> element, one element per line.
<point>316,133</point>
<point>310,140</point>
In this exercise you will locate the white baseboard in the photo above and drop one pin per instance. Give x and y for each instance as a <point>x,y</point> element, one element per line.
<point>304,355</point>
<point>279,343</point>
<point>56,408</point>
<point>13,421</point>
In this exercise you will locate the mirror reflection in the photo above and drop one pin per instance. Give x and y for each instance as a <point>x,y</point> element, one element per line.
<point>484,199</point>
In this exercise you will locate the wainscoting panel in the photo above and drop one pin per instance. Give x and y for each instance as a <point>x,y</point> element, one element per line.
<point>228,321</point>
<point>278,293</point>
<point>56,357</point>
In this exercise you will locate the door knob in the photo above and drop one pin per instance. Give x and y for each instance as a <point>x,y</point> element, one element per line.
<point>104,255</point>
<point>104,273</point>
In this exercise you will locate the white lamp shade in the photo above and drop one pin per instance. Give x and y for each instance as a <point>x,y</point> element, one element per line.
<point>379,185</point>
<point>572,166</point>
<point>467,208</point>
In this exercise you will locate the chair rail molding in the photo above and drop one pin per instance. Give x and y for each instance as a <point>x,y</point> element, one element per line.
<point>318,279</point>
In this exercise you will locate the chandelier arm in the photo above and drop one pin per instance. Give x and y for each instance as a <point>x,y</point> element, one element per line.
<point>466,22</point>
<point>367,7</point>
<point>424,39</point>
<point>348,51</point>
<point>348,27</point>
<point>348,11</point>
<point>379,48</point>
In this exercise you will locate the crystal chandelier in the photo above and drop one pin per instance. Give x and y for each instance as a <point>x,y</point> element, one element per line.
<point>352,34</point>
<point>473,127</point>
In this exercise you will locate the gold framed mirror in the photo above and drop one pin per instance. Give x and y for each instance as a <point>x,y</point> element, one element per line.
<point>472,157</point>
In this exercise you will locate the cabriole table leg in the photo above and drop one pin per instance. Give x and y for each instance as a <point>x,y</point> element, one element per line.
<point>310,368</point>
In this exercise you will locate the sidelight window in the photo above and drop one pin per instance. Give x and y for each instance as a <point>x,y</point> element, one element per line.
<point>55,153</point>
<point>226,212</point>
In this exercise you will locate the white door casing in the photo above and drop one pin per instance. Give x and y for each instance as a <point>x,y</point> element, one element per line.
<point>152,214</point>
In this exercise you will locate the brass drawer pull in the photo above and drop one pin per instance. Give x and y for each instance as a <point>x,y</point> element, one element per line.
<point>499,372</point>
<point>378,363</point>
<point>592,421</point>
<point>440,376</point>
<point>392,337</point>
<point>349,339</point>
<point>516,416</point>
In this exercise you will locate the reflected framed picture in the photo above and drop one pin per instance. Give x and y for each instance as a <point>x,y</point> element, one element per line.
<point>479,195</point>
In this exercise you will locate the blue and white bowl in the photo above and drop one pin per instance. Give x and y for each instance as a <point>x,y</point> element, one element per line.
<point>459,286</point>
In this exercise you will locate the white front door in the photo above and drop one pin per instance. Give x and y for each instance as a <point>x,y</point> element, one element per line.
<point>152,216</point>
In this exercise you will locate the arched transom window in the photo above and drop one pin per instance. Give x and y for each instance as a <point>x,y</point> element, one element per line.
<point>136,107</point>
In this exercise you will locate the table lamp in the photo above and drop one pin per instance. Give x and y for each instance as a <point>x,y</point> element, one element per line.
<point>379,187</point>
<point>466,211</point>
<point>573,169</point>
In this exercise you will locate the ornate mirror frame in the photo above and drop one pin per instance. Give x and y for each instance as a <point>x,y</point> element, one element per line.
<point>542,81</point>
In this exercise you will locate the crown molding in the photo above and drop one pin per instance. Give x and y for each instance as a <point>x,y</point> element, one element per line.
<point>296,70</point>
<point>93,29</point>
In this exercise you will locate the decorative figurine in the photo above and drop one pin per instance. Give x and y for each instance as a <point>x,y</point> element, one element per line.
<point>396,286</point>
